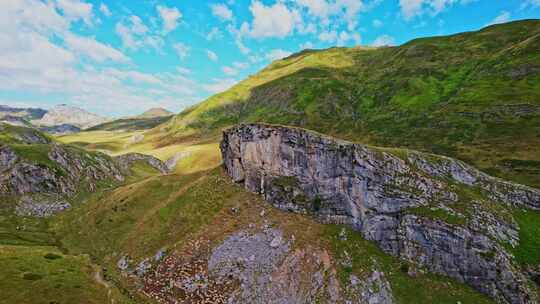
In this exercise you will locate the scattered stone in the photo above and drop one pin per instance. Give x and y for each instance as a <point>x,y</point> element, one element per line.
<point>123,263</point>
<point>343,234</point>
<point>40,207</point>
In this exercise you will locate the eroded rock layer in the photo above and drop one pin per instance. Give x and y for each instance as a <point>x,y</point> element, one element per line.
<point>434,211</point>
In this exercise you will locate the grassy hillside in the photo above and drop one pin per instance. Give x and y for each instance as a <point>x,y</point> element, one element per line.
<point>474,96</point>
<point>132,124</point>
<point>172,212</point>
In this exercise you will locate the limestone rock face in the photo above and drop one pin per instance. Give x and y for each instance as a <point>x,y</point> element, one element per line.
<point>393,197</point>
<point>127,160</point>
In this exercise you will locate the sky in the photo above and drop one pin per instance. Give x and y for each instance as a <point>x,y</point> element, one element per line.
<point>120,58</point>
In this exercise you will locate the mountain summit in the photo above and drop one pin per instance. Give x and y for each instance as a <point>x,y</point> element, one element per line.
<point>64,114</point>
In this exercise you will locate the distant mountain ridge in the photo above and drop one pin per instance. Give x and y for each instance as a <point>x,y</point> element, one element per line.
<point>64,114</point>
<point>155,112</point>
<point>147,120</point>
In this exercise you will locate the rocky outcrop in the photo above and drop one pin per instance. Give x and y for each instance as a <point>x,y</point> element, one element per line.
<point>126,161</point>
<point>393,197</point>
<point>41,206</point>
<point>62,129</point>
<point>258,266</point>
<point>53,169</point>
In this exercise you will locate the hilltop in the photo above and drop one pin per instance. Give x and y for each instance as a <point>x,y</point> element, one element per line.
<point>145,121</point>
<point>474,96</point>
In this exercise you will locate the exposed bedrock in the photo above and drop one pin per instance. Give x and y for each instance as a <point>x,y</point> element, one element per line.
<point>434,211</point>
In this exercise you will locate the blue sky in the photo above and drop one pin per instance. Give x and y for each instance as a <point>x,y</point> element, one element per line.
<point>118,58</point>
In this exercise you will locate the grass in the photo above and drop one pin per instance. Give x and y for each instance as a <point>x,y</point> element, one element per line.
<point>41,274</point>
<point>200,154</point>
<point>438,214</point>
<point>528,251</point>
<point>424,288</point>
<point>452,95</point>
<point>170,211</point>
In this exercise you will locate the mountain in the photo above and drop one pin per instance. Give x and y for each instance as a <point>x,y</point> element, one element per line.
<point>411,204</point>
<point>26,113</point>
<point>147,120</point>
<point>20,116</point>
<point>155,112</point>
<point>64,114</point>
<point>474,96</point>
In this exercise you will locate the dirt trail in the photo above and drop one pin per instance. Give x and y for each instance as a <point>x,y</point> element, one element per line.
<point>99,279</point>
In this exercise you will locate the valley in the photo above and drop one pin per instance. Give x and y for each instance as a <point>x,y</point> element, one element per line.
<point>405,174</point>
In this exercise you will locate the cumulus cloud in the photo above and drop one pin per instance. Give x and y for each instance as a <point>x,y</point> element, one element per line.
<point>135,34</point>
<point>271,21</point>
<point>339,38</point>
<point>219,85</point>
<point>40,54</point>
<point>181,50</point>
<point>414,8</point>
<point>75,10</point>
<point>104,9</point>
<point>211,55</point>
<point>277,54</point>
<point>93,49</point>
<point>215,33</point>
<point>383,40</point>
<point>221,11</point>
<point>503,17</point>
<point>530,3</point>
<point>169,17</point>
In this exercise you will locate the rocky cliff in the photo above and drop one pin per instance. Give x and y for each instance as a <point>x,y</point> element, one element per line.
<point>43,174</point>
<point>436,212</point>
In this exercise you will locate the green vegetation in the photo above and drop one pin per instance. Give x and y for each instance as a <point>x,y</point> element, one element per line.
<point>528,251</point>
<point>438,214</point>
<point>423,288</point>
<point>131,124</point>
<point>39,274</point>
<point>474,96</point>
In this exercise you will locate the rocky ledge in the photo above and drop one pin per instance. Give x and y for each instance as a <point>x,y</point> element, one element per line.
<point>126,161</point>
<point>434,211</point>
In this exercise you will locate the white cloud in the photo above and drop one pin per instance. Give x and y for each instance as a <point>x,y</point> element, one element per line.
<point>211,55</point>
<point>75,10</point>
<point>530,3</point>
<point>221,11</point>
<point>40,55</point>
<point>170,17</point>
<point>383,40</point>
<point>104,9</point>
<point>277,54</point>
<point>95,50</point>
<point>377,23</point>
<point>414,8</point>
<point>340,38</point>
<point>307,45</point>
<point>240,65</point>
<point>215,33</point>
<point>183,71</point>
<point>271,21</point>
<point>229,71</point>
<point>219,85</point>
<point>181,49</point>
<point>503,17</point>
<point>135,34</point>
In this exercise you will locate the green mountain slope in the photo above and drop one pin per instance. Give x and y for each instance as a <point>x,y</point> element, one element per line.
<point>474,96</point>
